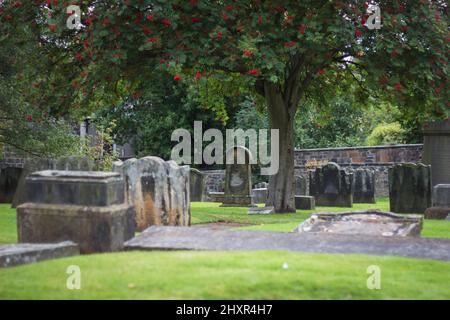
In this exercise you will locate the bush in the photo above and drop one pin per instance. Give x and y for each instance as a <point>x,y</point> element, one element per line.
<point>385,134</point>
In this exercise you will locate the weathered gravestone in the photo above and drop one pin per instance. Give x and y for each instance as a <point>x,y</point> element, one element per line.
<point>409,188</point>
<point>238,190</point>
<point>368,223</point>
<point>300,185</point>
<point>9,179</point>
<point>196,185</point>
<point>40,164</point>
<point>436,150</point>
<point>260,195</point>
<point>86,207</point>
<point>363,186</point>
<point>158,189</point>
<point>441,202</point>
<point>305,203</point>
<point>331,186</point>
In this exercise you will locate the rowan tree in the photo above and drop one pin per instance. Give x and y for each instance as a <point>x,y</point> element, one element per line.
<point>285,51</point>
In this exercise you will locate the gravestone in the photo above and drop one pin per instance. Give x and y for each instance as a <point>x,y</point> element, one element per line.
<point>86,207</point>
<point>441,203</point>
<point>196,185</point>
<point>238,192</point>
<point>305,203</point>
<point>300,185</point>
<point>9,179</point>
<point>436,150</point>
<point>262,185</point>
<point>40,164</point>
<point>367,223</point>
<point>263,210</point>
<point>260,195</point>
<point>331,186</point>
<point>363,186</point>
<point>158,189</point>
<point>409,188</point>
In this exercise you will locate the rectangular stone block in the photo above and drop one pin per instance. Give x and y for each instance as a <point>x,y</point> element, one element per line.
<point>83,188</point>
<point>94,229</point>
<point>260,195</point>
<point>17,254</point>
<point>305,203</point>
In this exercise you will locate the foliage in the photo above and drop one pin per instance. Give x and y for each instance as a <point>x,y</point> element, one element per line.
<point>386,133</point>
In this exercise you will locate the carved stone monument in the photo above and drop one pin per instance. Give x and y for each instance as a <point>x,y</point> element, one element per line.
<point>331,186</point>
<point>86,207</point>
<point>158,189</point>
<point>410,188</point>
<point>238,190</point>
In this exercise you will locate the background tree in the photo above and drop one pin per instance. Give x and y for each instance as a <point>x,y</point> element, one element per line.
<point>288,52</point>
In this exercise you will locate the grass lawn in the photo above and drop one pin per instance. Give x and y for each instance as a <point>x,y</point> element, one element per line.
<point>229,275</point>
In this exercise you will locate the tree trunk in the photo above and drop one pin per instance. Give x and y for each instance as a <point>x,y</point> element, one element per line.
<point>281,184</point>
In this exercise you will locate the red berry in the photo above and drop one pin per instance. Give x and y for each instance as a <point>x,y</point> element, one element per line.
<point>52,27</point>
<point>177,77</point>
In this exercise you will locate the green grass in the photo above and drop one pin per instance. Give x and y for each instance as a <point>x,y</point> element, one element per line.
<point>227,275</point>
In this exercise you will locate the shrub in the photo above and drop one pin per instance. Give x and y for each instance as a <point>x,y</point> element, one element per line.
<point>385,134</point>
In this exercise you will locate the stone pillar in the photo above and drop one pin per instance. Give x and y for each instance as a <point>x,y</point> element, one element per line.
<point>159,191</point>
<point>197,185</point>
<point>410,188</point>
<point>86,207</point>
<point>238,183</point>
<point>331,186</point>
<point>436,150</point>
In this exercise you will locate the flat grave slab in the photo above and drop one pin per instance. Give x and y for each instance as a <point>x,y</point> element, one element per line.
<point>191,238</point>
<point>24,253</point>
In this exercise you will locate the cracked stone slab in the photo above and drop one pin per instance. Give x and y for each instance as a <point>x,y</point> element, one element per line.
<point>24,253</point>
<point>188,238</point>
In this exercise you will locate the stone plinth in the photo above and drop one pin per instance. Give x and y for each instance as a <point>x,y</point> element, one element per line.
<point>97,222</point>
<point>437,213</point>
<point>260,195</point>
<point>331,186</point>
<point>368,223</point>
<point>436,150</point>
<point>410,188</point>
<point>305,203</point>
<point>216,196</point>
<point>158,189</point>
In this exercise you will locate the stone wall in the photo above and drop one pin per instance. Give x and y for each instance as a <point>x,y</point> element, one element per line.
<point>11,158</point>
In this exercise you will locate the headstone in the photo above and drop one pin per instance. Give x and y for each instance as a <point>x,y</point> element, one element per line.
<point>40,164</point>
<point>158,189</point>
<point>263,210</point>
<point>331,186</point>
<point>238,191</point>
<point>305,203</point>
<point>260,195</point>
<point>9,179</point>
<point>441,203</point>
<point>12,255</point>
<point>262,185</point>
<point>300,185</point>
<point>367,223</point>
<point>436,150</point>
<point>196,185</point>
<point>364,186</point>
<point>86,207</point>
<point>409,188</point>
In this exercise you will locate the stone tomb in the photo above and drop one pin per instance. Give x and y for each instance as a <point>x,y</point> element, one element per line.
<point>9,179</point>
<point>305,203</point>
<point>331,186</point>
<point>39,164</point>
<point>363,186</point>
<point>158,189</point>
<point>238,184</point>
<point>441,202</point>
<point>196,185</point>
<point>367,223</point>
<point>410,188</point>
<point>86,207</point>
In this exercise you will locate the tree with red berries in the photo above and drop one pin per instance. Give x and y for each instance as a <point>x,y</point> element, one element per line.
<point>287,52</point>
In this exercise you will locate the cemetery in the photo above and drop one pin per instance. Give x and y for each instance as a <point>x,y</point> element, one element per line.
<point>101,198</point>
